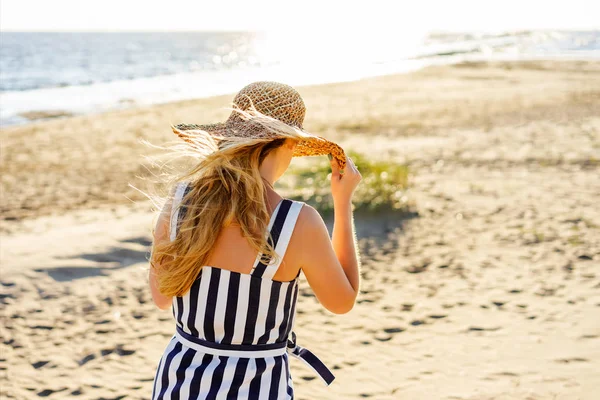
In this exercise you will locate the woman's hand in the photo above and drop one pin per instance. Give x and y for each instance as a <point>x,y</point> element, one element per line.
<point>344,184</point>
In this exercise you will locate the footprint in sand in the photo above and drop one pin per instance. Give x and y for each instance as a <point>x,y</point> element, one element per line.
<point>138,315</point>
<point>394,330</point>
<point>365,301</point>
<point>588,337</point>
<point>39,364</point>
<point>571,360</point>
<point>42,327</point>
<point>506,373</point>
<point>118,349</point>
<point>381,336</point>
<point>5,298</point>
<point>87,359</point>
<point>13,343</point>
<point>306,293</point>
<point>437,316</point>
<point>483,329</point>
<point>48,392</point>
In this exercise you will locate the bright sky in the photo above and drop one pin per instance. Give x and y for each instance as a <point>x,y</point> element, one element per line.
<point>299,15</point>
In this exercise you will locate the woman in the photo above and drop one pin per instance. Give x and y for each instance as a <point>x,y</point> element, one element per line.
<point>228,251</point>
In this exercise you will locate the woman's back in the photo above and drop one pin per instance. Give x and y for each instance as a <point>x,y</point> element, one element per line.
<point>238,303</point>
<point>239,322</point>
<point>233,252</point>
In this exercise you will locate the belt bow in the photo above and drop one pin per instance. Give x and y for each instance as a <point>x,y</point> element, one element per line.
<point>309,359</point>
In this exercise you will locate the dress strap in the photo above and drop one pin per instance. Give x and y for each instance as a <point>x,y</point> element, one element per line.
<point>181,189</point>
<point>280,235</point>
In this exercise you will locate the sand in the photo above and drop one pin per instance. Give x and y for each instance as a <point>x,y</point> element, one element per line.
<point>492,291</point>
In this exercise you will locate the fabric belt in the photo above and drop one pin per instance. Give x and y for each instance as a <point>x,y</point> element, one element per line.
<point>310,359</point>
<point>258,351</point>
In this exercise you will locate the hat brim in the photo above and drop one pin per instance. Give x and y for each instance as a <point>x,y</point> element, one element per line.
<point>311,145</point>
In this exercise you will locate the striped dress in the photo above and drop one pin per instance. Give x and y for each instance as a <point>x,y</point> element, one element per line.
<point>233,332</point>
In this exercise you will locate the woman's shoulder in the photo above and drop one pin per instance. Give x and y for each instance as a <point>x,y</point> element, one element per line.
<point>309,218</point>
<point>308,230</point>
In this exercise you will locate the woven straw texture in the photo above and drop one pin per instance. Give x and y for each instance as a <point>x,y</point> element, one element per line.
<point>275,100</point>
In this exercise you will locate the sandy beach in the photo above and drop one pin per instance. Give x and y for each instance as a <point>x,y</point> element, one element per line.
<point>491,290</point>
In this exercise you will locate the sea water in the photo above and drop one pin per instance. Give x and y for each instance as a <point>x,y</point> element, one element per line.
<point>88,72</point>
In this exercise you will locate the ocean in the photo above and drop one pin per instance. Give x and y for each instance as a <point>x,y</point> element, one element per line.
<point>45,74</point>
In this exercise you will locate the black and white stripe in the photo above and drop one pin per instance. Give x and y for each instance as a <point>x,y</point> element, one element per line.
<point>232,309</point>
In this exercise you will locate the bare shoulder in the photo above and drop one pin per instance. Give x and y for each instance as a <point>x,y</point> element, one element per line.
<point>310,235</point>
<point>310,223</point>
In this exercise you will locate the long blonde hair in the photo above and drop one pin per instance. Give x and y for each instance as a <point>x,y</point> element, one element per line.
<point>225,186</point>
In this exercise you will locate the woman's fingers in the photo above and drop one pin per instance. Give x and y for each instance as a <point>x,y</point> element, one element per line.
<point>335,168</point>
<point>343,185</point>
<point>352,165</point>
<point>352,169</point>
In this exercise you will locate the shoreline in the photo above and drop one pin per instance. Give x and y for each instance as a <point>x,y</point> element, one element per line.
<point>128,101</point>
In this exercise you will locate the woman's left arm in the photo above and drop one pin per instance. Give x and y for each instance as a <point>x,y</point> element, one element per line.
<point>160,234</point>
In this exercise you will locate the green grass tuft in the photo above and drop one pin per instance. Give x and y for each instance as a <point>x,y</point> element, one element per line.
<point>383,186</point>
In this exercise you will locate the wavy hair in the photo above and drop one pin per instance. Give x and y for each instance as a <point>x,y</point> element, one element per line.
<point>225,187</point>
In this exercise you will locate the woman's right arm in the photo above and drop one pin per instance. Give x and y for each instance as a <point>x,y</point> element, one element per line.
<point>332,267</point>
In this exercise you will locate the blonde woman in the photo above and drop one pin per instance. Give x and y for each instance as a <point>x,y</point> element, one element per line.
<point>228,251</point>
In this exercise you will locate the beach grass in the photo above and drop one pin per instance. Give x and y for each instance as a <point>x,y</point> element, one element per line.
<point>383,187</point>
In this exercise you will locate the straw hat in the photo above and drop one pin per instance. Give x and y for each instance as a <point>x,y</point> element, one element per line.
<point>275,100</point>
